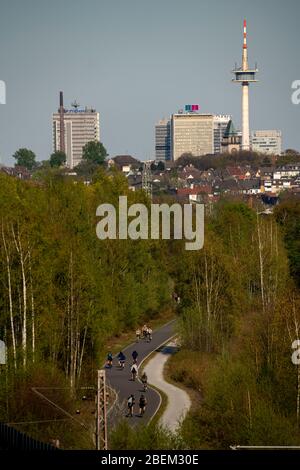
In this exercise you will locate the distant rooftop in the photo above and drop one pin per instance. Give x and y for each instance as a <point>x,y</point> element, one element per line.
<point>125,160</point>
<point>230,130</point>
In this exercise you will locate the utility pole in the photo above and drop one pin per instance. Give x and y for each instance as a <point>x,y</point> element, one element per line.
<point>101,414</point>
<point>146,179</point>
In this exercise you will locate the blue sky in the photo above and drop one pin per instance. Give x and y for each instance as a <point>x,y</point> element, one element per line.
<point>136,61</point>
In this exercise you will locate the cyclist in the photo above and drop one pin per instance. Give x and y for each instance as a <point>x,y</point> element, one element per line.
<point>109,359</point>
<point>149,334</point>
<point>134,356</point>
<point>130,405</point>
<point>142,404</point>
<point>144,380</point>
<point>138,335</point>
<point>122,359</point>
<point>134,371</point>
<point>144,331</point>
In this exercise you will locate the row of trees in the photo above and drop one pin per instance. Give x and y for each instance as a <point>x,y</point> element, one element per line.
<point>93,155</point>
<point>63,292</point>
<point>239,316</point>
<point>254,159</point>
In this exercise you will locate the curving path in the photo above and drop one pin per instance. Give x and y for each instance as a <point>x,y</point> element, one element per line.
<point>178,400</point>
<point>120,381</point>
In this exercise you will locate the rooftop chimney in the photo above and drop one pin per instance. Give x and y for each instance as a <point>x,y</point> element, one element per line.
<point>61,122</point>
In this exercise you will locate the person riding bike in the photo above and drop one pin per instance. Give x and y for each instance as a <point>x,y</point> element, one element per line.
<point>149,335</point>
<point>134,356</point>
<point>109,359</point>
<point>144,380</point>
<point>130,405</point>
<point>122,358</point>
<point>134,371</point>
<point>144,331</point>
<point>142,404</point>
<point>138,335</point>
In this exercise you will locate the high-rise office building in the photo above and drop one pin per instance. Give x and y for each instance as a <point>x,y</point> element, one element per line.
<point>163,140</point>
<point>267,142</point>
<point>192,133</point>
<point>220,124</point>
<point>80,127</point>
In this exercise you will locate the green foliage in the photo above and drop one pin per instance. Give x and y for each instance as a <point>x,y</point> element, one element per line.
<point>222,160</point>
<point>239,314</point>
<point>288,216</point>
<point>239,310</point>
<point>25,157</point>
<point>160,166</point>
<point>292,152</point>
<point>292,158</point>
<point>94,152</point>
<point>86,168</point>
<point>151,437</point>
<point>35,415</point>
<point>266,161</point>
<point>58,159</point>
<point>71,289</point>
<point>237,411</point>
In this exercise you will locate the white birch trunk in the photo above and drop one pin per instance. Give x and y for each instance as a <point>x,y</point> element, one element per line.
<point>24,285</point>
<point>11,316</point>
<point>32,310</point>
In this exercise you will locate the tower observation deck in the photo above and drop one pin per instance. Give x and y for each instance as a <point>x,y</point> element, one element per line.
<point>245,75</point>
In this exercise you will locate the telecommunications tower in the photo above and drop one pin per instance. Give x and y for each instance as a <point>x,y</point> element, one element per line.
<point>245,75</point>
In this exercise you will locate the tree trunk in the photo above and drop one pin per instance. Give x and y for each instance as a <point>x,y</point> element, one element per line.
<point>32,310</point>
<point>24,285</point>
<point>72,333</point>
<point>261,265</point>
<point>82,351</point>
<point>12,326</point>
<point>298,394</point>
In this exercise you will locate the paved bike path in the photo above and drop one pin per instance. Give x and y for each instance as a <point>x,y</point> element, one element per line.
<point>178,400</point>
<point>120,381</point>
